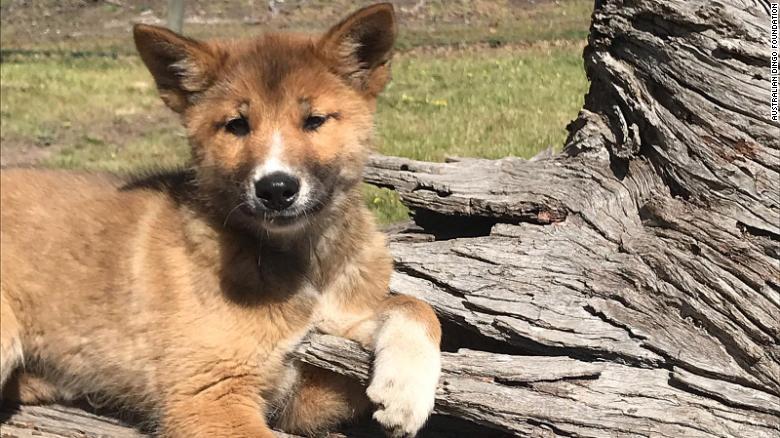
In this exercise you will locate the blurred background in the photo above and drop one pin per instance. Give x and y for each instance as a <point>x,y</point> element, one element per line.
<point>471,78</point>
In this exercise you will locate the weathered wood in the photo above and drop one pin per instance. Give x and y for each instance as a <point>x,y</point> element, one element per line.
<point>536,395</point>
<point>60,422</point>
<point>68,422</point>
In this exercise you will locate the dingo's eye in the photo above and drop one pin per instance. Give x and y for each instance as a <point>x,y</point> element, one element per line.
<point>238,126</point>
<point>313,122</point>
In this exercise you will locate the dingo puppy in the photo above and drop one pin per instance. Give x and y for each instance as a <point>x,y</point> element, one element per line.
<point>181,294</point>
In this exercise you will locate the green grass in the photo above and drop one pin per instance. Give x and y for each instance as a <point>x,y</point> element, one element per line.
<point>50,94</point>
<point>385,204</point>
<point>486,106</point>
<point>101,114</point>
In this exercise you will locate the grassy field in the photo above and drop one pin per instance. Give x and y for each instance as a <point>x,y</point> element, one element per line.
<point>451,95</point>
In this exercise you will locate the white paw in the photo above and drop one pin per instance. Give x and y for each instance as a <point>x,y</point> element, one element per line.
<point>406,373</point>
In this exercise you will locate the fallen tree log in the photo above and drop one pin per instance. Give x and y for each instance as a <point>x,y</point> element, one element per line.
<point>629,286</point>
<point>650,242</point>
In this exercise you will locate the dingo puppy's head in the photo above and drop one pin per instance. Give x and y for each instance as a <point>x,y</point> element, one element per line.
<point>279,125</point>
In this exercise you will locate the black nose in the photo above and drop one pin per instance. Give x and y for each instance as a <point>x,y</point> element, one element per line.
<point>277,191</point>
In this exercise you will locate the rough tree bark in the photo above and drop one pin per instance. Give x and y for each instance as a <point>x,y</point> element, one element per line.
<point>629,286</point>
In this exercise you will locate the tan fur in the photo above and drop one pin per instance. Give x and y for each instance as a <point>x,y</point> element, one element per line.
<point>27,388</point>
<point>320,401</point>
<point>158,296</point>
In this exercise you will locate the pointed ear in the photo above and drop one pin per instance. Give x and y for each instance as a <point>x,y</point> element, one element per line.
<point>360,47</point>
<point>181,67</point>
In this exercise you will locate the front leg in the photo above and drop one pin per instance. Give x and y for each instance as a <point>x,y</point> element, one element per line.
<point>403,332</point>
<point>407,364</point>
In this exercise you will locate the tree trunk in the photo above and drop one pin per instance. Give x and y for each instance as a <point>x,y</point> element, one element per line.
<point>629,286</point>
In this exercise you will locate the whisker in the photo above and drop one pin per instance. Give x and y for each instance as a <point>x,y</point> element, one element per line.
<point>224,224</point>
